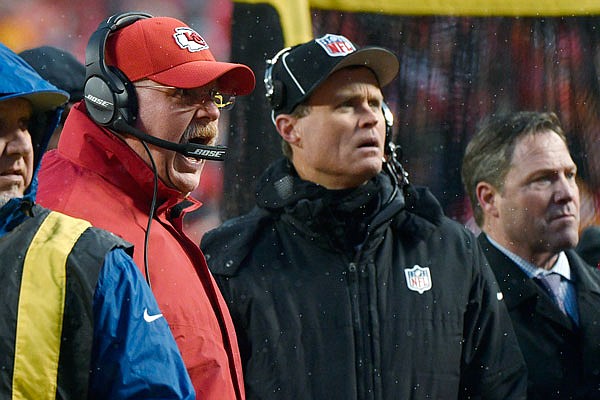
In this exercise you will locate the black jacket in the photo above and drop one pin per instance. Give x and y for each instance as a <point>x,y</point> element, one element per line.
<point>563,359</point>
<point>317,283</point>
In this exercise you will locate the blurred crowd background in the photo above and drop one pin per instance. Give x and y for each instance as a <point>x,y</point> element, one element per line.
<point>458,66</point>
<point>68,24</point>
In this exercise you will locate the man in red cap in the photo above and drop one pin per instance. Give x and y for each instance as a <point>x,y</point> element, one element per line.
<point>129,156</point>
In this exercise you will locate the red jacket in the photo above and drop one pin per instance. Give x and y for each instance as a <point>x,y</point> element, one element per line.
<point>95,176</point>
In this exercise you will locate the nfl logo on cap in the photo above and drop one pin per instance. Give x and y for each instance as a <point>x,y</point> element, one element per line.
<point>336,45</point>
<point>418,278</point>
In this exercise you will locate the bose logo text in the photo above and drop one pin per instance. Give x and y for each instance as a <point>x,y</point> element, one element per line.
<point>99,102</point>
<point>208,153</point>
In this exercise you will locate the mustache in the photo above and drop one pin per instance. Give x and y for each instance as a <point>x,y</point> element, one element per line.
<point>206,133</point>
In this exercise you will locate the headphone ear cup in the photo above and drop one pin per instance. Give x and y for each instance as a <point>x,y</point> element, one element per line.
<point>110,97</point>
<point>99,100</point>
<point>106,106</point>
<point>278,94</point>
<point>126,104</point>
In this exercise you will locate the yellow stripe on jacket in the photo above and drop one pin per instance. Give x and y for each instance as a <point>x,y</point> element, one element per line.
<point>41,307</point>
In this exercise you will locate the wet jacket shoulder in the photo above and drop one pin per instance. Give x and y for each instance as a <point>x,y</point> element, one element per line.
<point>422,216</point>
<point>236,237</point>
<point>408,308</point>
<point>67,309</point>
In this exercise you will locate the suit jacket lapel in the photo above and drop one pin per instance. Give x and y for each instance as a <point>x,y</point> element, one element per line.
<point>519,289</point>
<point>587,285</point>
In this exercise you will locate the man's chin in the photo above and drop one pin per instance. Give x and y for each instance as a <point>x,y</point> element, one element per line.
<point>565,241</point>
<point>370,169</point>
<point>185,182</point>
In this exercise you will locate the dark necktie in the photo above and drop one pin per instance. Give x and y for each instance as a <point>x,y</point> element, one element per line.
<point>551,282</point>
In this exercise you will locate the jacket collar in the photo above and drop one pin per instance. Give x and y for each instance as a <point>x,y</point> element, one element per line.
<point>113,159</point>
<point>414,210</point>
<point>516,285</point>
<point>323,212</point>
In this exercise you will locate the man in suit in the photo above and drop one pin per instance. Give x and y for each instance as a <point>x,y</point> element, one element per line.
<point>520,177</point>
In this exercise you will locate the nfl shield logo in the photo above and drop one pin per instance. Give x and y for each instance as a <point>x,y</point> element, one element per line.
<point>418,279</point>
<point>336,45</point>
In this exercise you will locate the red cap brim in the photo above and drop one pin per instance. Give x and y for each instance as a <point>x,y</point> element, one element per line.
<point>231,78</point>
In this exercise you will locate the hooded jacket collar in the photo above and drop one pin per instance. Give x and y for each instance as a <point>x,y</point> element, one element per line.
<point>280,188</point>
<point>19,80</point>
<point>343,216</point>
<point>413,212</point>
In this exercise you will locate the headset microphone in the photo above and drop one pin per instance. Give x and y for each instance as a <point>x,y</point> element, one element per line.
<point>194,150</point>
<point>393,151</point>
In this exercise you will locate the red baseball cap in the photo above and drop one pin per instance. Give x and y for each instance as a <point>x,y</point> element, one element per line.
<point>171,53</point>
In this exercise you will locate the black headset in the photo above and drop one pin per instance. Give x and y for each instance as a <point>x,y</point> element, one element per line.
<point>110,96</point>
<point>275,89</point>
<point>392,151</point>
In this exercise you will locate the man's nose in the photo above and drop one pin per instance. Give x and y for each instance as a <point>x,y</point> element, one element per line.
<point>19,142</point>
<point>370,116</point>
<point>565,188</point>
<point>208,110</point>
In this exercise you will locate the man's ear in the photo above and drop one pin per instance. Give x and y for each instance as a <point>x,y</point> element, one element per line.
<point>486,197</point>
<point>286,126</point>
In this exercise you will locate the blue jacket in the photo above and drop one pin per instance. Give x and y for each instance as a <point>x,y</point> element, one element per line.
<point>133,347</point>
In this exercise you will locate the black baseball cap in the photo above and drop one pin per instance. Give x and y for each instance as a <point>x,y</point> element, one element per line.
<point>59,67</point>
<point>294,73</point>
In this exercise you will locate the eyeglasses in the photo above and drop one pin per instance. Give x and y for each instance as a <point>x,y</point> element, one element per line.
<point>194,97</point>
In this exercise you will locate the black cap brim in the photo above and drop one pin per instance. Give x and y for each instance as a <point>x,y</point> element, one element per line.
<point>296,74</point>
<point>382,62</point>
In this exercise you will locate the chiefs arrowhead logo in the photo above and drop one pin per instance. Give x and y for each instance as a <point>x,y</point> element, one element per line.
<point>189,39</point>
